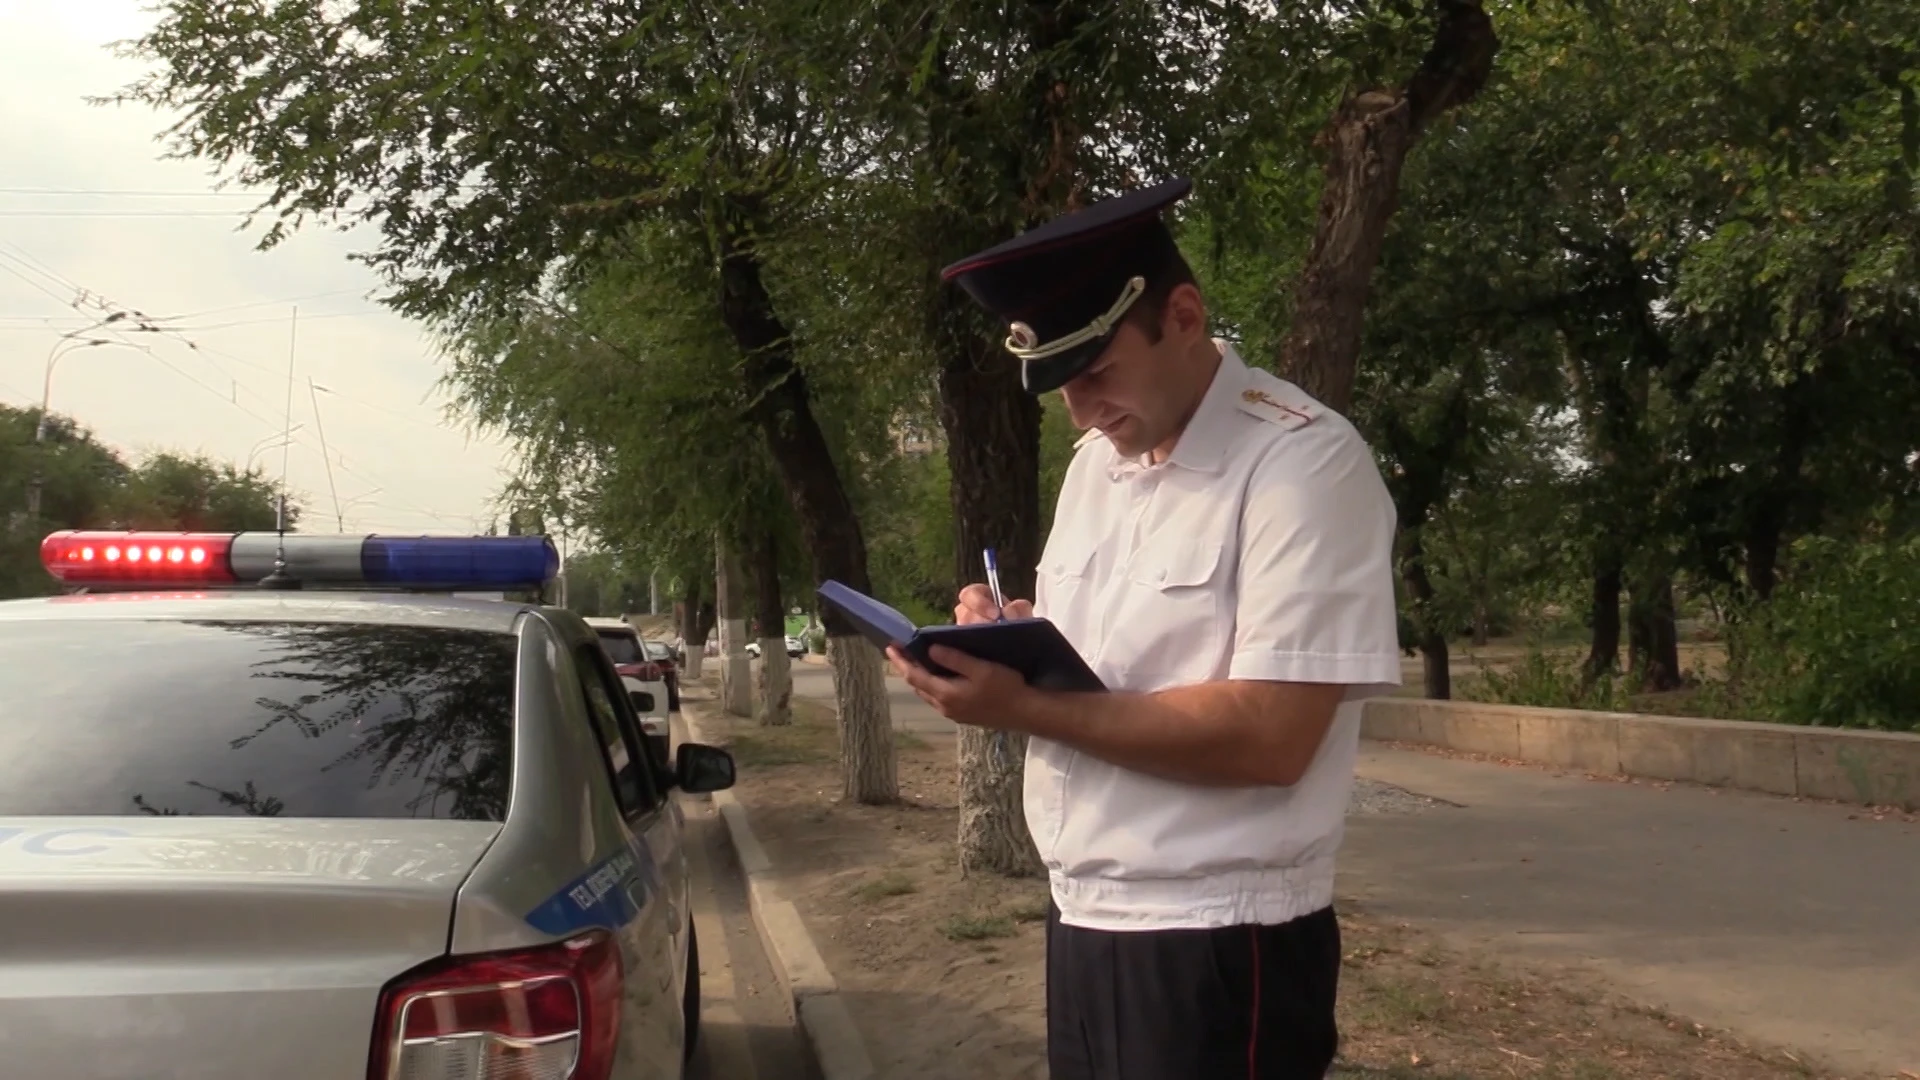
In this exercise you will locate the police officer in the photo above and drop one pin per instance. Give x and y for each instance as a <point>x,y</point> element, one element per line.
<point>1221,556</point>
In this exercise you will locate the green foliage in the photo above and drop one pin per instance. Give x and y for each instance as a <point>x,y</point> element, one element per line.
<point>603,584</point>
<point>1646,312</point>
<point>1839,644</point>
<point>86,485</point>
<point>170,491</point>
<point>1547,680</point>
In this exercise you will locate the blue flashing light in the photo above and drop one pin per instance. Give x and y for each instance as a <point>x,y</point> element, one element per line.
<point>459,562</point>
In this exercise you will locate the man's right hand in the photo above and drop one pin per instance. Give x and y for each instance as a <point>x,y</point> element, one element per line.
<point>976,606</point>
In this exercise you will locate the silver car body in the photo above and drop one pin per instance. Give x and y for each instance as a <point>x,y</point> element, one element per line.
<point>235,948</point>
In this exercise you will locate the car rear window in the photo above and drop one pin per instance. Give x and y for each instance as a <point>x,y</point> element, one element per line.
<point>272,719</point>
<point>621,648</point>
<point>657,651</point>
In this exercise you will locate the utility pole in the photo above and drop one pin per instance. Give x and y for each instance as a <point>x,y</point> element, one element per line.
<point>313,395</point>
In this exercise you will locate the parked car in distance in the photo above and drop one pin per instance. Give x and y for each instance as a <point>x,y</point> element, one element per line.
<point>795,647</point>
<point>643,680</point>
<point>663,654</point>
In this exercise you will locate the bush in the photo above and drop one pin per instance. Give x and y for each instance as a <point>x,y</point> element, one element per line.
<point>1544,680</point>
<point>816,640</point>
<point>1838,645</point>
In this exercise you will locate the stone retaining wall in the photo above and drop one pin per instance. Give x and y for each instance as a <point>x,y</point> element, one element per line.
<point>1866,767</point>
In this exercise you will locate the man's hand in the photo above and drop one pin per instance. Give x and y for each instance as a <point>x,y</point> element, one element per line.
<point>976,606</point>
<point>981,694</point>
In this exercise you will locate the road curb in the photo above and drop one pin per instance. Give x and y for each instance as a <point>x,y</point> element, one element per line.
<point>805,980</point>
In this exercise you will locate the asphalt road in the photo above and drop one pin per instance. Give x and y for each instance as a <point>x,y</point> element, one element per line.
<point>1790,922</point>
<point>747,1030</point>
<point>811,680</point>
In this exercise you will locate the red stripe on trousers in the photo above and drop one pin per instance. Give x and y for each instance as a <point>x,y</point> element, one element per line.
<point>1253,1034</point>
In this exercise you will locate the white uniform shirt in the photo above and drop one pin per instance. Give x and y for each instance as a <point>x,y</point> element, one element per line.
<point>1260,549</point>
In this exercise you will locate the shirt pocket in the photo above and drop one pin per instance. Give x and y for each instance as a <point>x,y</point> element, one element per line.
<point>1062,581</point>
<point>1170,630</point>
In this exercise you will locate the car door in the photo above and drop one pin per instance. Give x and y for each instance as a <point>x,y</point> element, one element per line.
<point>653,1029</point>
<point>663,834</point>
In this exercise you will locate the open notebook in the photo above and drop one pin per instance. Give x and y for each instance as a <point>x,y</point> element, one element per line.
<point>1033,647</point>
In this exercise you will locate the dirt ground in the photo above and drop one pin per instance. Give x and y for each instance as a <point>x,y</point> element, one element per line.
<point>944,974</point>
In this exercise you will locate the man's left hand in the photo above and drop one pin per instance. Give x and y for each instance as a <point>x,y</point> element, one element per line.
<point>981,693</point>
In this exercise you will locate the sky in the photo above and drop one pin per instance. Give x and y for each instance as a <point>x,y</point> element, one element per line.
<point>86,203</point>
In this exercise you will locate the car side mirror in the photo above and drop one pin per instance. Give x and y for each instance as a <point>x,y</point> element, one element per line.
<point>699,768</point>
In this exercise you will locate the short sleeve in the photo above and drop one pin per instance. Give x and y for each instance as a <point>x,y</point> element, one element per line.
<point>1314,598</point>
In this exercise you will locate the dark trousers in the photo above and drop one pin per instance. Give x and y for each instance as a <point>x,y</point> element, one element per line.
<point>1241,1001</point>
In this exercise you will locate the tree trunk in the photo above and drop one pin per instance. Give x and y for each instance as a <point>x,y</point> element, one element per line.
<point>693,631</point>
<point>1603,657</point>
<point>1482,597</point>
<point>993,457</point>
<point>866,738</point>
<point>736,668</point>
<point>783,410</point>
<point>1768,522</point>
<point>1763,555</point>
<point>1653,638</point>
<point>1437,675</point>
<point>774,700</point>
<point>709,618</point>
<point>1367,142</point>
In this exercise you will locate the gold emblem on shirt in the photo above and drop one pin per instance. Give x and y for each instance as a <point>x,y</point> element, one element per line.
<point>1287,412</point>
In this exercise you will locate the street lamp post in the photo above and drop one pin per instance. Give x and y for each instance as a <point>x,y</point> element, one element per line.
<point>271,442</point>
<point>70,342</point>
<point>340,511</point>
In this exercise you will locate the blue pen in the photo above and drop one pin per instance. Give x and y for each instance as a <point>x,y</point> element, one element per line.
<point>1000,615</point>
<point>993,582</point>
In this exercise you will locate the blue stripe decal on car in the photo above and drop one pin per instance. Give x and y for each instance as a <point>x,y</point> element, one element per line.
<point>610,894</point>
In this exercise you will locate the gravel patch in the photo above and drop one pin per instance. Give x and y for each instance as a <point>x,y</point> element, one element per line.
<point>1374,797</point>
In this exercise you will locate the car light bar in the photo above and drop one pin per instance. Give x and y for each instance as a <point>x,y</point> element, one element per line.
<point>116,558</point>
<point>140,559</point>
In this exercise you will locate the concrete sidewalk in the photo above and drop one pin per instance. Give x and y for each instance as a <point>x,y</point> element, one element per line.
<point>1794,924</point>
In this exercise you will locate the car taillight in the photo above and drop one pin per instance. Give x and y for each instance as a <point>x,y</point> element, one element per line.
<point>546,1013</point>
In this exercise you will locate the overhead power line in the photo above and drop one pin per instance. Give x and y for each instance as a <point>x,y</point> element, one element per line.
<point>131,194</point>
<point>120,213</point>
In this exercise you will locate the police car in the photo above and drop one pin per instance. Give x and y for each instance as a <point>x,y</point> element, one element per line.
<point>272,807</point>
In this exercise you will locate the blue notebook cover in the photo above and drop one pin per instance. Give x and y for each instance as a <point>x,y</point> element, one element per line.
<point>1033,647</point>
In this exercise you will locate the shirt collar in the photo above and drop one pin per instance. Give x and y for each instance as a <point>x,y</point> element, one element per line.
<point>1203,444</point>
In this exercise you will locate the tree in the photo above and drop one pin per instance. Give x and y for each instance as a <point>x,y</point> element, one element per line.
<point>86,485</point>
<point>79,480</point>
<point>495,147</point>
<point>197,494</point>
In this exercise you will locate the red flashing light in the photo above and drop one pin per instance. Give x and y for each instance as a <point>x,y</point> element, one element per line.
<point>133,558</point>
<point>526,1012</point>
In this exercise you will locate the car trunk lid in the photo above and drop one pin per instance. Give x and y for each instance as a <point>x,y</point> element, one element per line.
<point>215,948</point>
